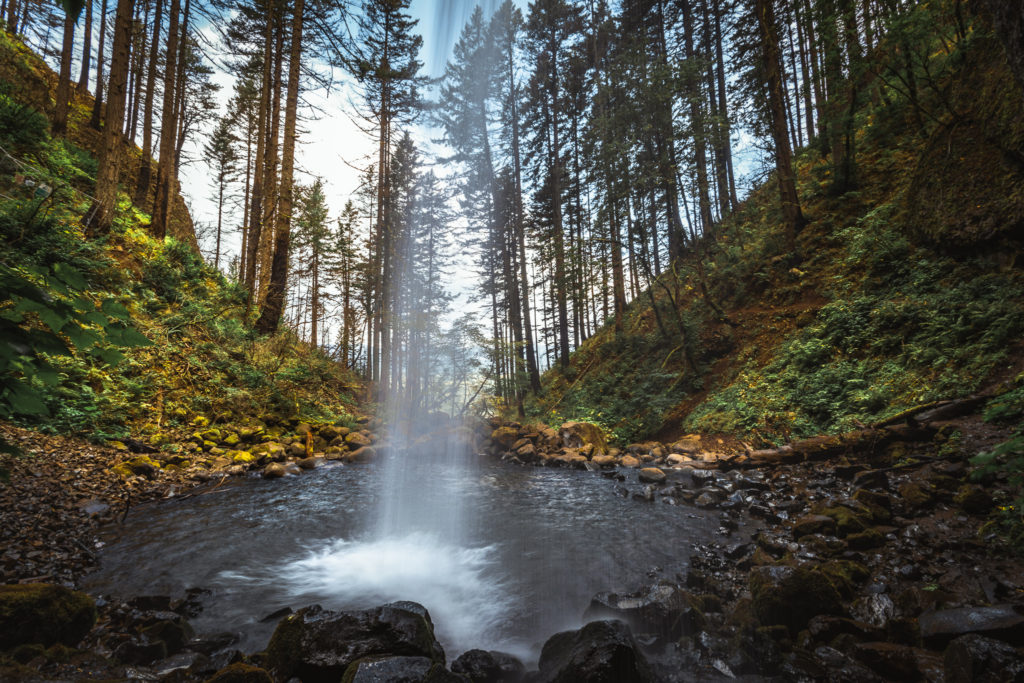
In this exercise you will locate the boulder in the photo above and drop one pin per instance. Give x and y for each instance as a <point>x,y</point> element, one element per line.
<point>814,524</point>
<point>239,672</point>
<point>662,610</point>
<point>792,595</point>
<point>274,470</point>
<point>600,652</point>
<point>310,463</point>
<point>998,621</point>
<point>579,434</point>
<point>973,499</point>
<point>527,451</point>
<point>45,614</point>
<point>316,645</point>
<point>629,461</point>
<point>505,437</point>
<point>688,445</point>
<point>364,454</point>
<point>977,659</point>
<point>604,460</point>
<point>652,475</point>
<point>482,666</point>
<point>896,662</point>
<point>296,449</point>
<point>398,670</point>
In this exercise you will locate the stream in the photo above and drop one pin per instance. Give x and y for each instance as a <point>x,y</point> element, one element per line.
<point>535,545</point>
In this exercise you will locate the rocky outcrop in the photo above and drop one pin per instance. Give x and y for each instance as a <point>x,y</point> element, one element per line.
<point>600,652</point>
<point>43,614</point>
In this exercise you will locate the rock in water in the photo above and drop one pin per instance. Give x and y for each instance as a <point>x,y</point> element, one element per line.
<point>600,652</point>
<point>399,670</point>
<point>1000,621</point>
<point>652,475</point>
<point>45,614</point>
<point>977,659</point>
<point>316,645</point>
<point>663,610</point>
<point>240,673</point>
<point>489,667</point>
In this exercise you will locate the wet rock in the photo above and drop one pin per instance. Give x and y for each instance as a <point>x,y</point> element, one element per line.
<point>398,670</point>
<point>358,440</point>
<point>900,662</point>
<point>878,504</point>
<point>309,463</point>
<point>688,445</point>
<point>662,610</point>
<point>604,460</point>
<point>629,461</point>
<point>973,499</point>
<point>998,621</point>
<point>45,614</point>
<point>579,434</point>
<point>871,479</point>
<point>825,629</point>
<point>845,575</point>
<point>240,672</point>
<point>600,652</point>
<point>814,524</point>
<point>652,475</point>
<point>315,644</point>
<point>838,668</point>
<point>527,451</point>
<point>876,609</point>
<point>865,540</point>
<point>915,495</point>
<point>791,595</point>
<point>847,521</point>
<point>976,659</point>
<point>483,666</point>
<point>135,651</point>
<point>274,470</point>
<point>361,455</point>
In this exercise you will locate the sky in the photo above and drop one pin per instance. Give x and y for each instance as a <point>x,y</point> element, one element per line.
<point>332,147</point>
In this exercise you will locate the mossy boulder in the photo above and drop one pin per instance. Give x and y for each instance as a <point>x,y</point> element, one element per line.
<point>142,466</point>
<point>865,540</point>
<point>45,614</point>
<point>200,421</point>
<point>916,495</point>
<point>814,524</point>
<point>315,644</point>
<point>240,672</point>
<point>242,457</point>
<point>845,575</point>
<point>792,595</point>
<point>847,521</point>
<point>232,439</point>
<point>505,437</point>
<point>579,434</point>
<point>973,499</point>
<point>879,504</point>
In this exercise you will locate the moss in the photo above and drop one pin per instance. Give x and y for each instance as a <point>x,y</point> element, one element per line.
<point>242,457</point>
<point>973,499</point>
<point>45,614</point>
<point>865,540</point>
<point>791,596</point>
<point>847,521</point>
<point>845,575</point>
<point>239,672</point>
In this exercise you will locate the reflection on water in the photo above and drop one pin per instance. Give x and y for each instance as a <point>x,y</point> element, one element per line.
<point>537,545</point>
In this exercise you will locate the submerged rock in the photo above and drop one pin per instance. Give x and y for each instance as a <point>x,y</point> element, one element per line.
<point>652,475</point>
<point>315,644</point>
<point>663,610</point>
<point>600,652</point>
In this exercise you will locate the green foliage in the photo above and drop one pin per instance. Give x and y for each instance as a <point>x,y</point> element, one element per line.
<point>1007,459</point>
<point>23,130</point>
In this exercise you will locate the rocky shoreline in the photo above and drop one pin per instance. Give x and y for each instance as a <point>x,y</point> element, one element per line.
<point>839,559</point>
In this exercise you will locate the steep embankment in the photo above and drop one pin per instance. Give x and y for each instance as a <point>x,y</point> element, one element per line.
<point>903,291</point>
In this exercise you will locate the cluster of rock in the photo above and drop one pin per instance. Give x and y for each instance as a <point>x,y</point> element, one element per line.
<point>236,449</point>
<point>149,638</point>
<point>582,445</point>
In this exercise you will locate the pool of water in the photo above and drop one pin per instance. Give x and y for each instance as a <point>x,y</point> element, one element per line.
<point>533,546</point>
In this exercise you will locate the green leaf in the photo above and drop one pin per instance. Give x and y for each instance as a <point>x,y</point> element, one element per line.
<point>127,336</point>
<point>79,336</point>
<point>114,309</point>
<point>24,401</point>
<point>69,276</point>
<point>109,356</point>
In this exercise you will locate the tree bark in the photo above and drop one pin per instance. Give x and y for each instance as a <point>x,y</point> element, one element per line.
<point>792,215</point>
<point>270,317</point>
<point>101,216</point>
<point>97,105</point>
<point>60,116</point>
<point>146,160</point>
<point>83,78</point>
<point>168,128</point>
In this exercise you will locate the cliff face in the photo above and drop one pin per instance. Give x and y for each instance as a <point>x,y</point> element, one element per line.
<point>906,290</point>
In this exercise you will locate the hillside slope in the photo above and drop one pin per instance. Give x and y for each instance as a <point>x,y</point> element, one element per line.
<point>905,291</point>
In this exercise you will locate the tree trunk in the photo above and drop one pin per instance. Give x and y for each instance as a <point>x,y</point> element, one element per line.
<point>97,105</point>
<point>1008,20</point>
<point>270,317</point>
<point>101,216</point>
<point>60,116</point>
<point>168,128</point>
<point>83,78</point>
<point>697,121</point>
<point>256,209</point>
<point>791,213</point>
<point>146,160</point>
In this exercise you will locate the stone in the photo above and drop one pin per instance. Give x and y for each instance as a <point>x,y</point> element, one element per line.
<point>915,495</point>
<point>398,670</point>
<point>629,461</point>
<point>358,440</point>
<point>296,449</point>
<point>579,434</point>
<point>998,621</point>
<point>239,672</point>
<point>242,457</point>
<point>600,652</point>
<point>362,455</point>
<point>676,459</point>
<point>274,470</point>
<point>688,445</point>
<point>316,645</point>
<point>652,475</point>
<point>814,524</point>
<point>484,666</point>
<point>45,614</point>
<point>171,629</point>
<point>865,540</point>
<point>604,460</point>
<point>792,595</point>
<point>899,662</point>
<point>309,463</point>
<point>661,610</point>
<point>973,499</point>
<point>505,437</point>
<point>976,659</point>
<point>527,451</point>
<point>232,439</point>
